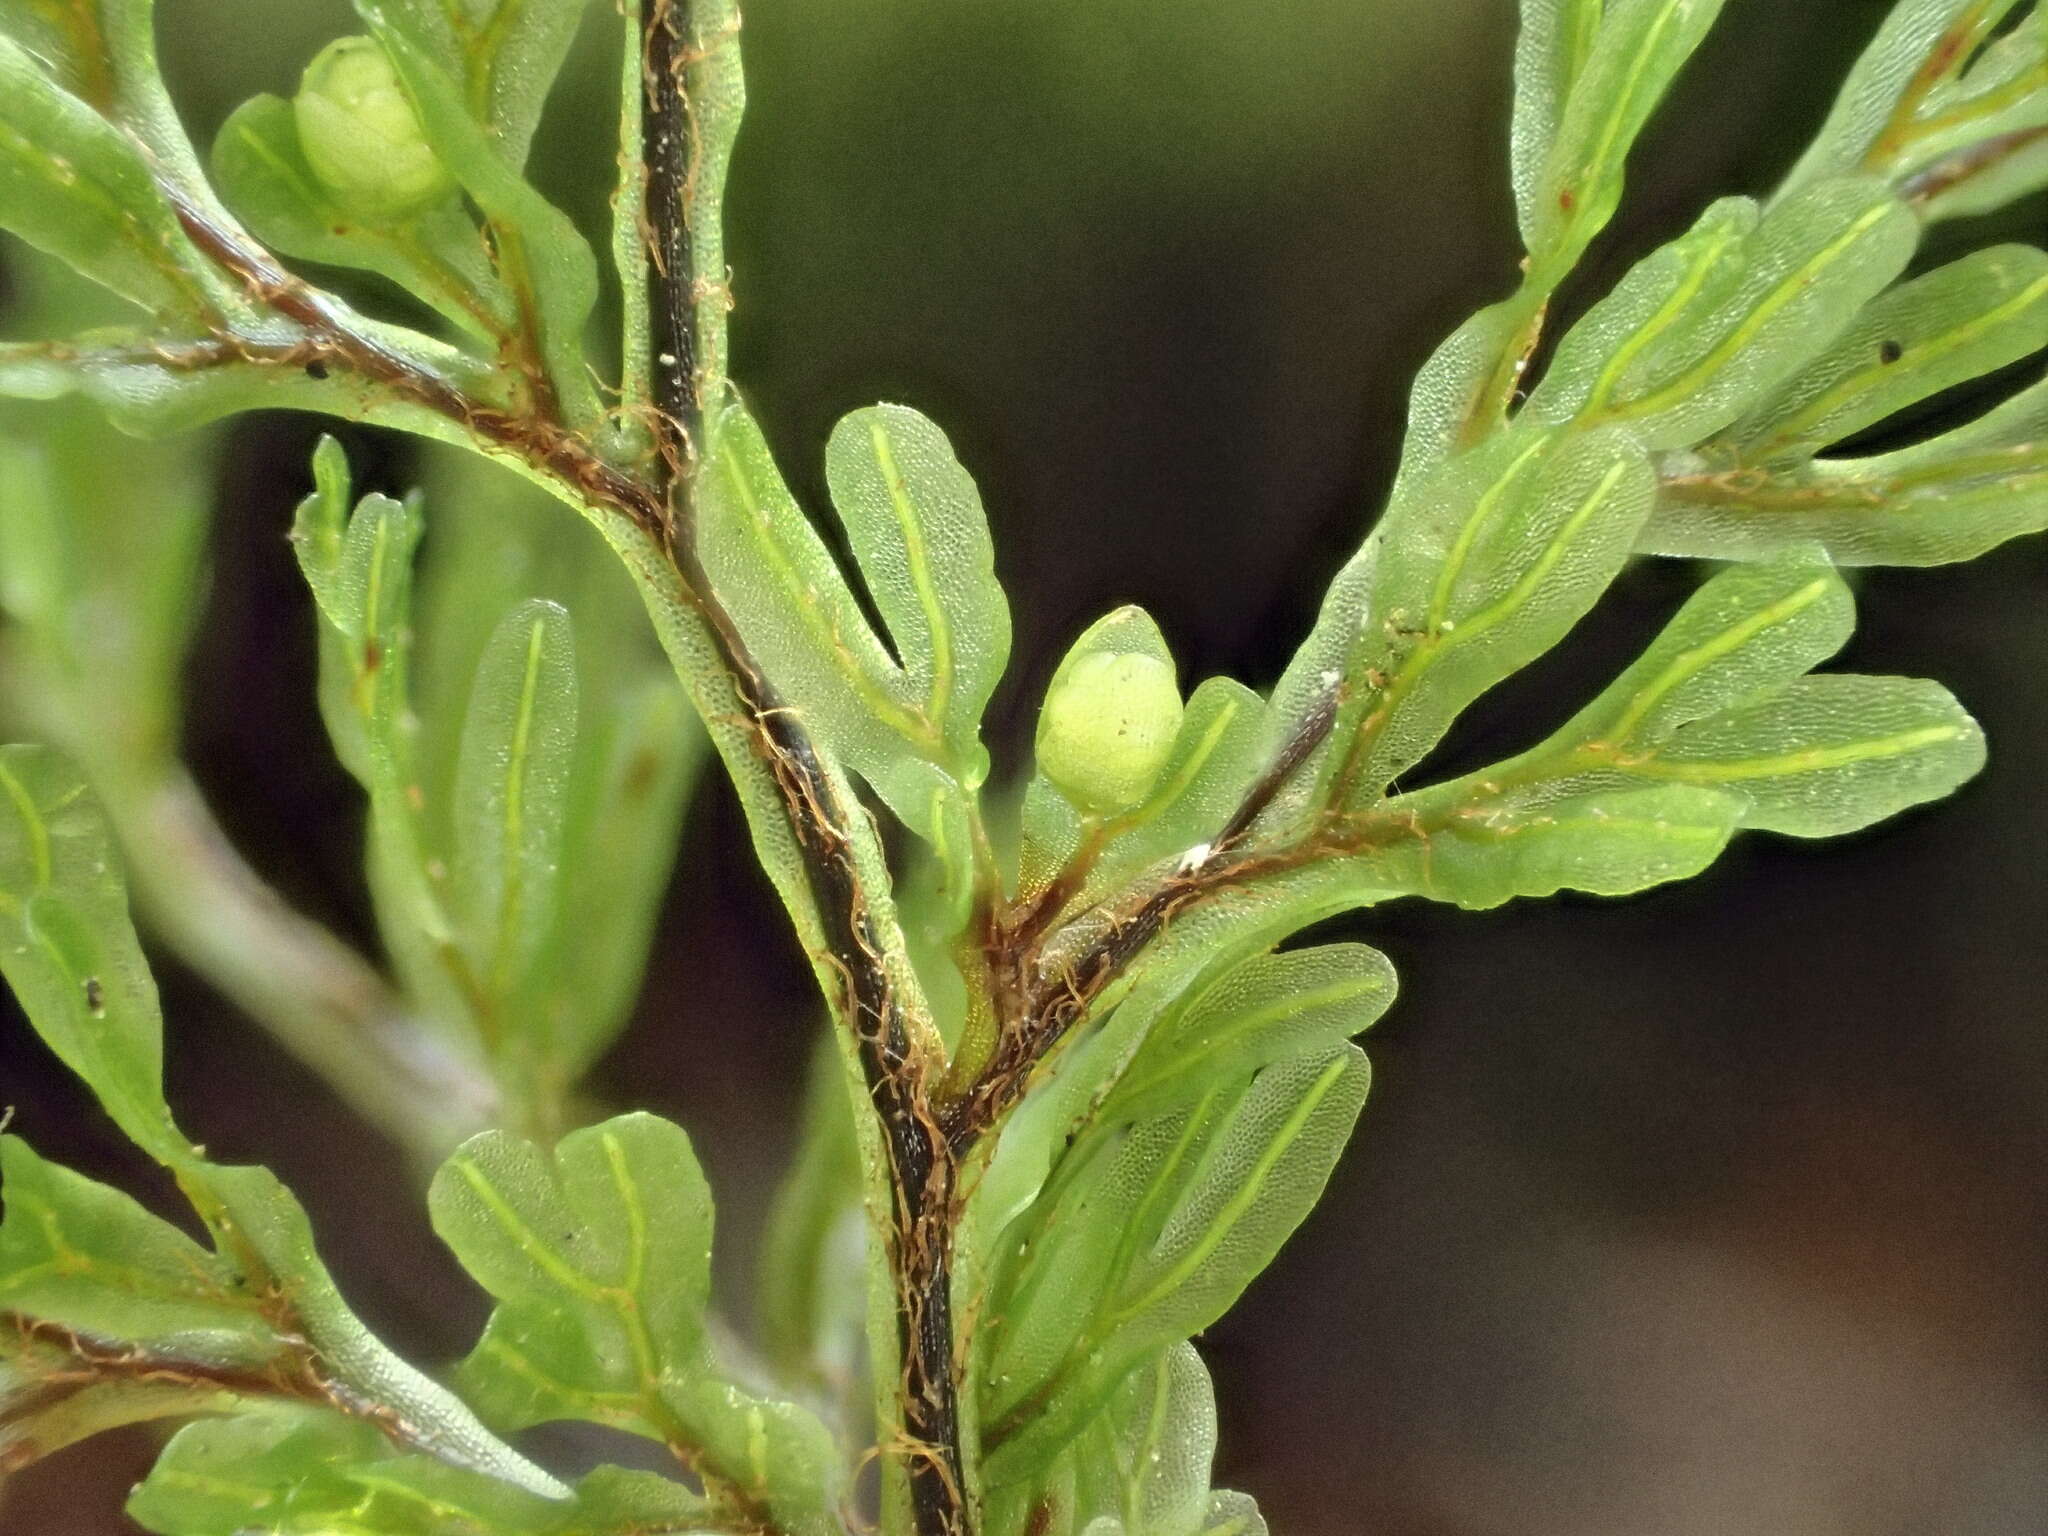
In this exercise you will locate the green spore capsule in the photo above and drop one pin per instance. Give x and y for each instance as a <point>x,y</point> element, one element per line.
<point>1107,729</point>
<point>361,136</point>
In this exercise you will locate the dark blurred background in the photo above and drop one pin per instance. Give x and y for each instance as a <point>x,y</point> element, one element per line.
<point>1714,1213</point>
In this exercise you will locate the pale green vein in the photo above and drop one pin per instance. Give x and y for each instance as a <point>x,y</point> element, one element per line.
<point>1597,165</point>
<point>485,56</point>
<point>1690,663</point>
<point>1596,819</point>
<point>255,1495</point>
<point>32,823</point>
<point>1246,1196</point>
<point>1468,533</point>
<point>1146,1453</point>
<point>1811,760</point>
<point>608,1405</point>
<point>66,1259</point>
<point>1932,350</point>
<point>1989,104</point>
<point>1176,785</point>
<point>1036,1273</point>
<point>1694,380</point>
<point>563,1272</point>
<point>810,610</point>
<point>626,1300</point>
<point>1584,29</point>
<point>373,596</point>
<point>71,187</point>
<point>1439,641</point>
<point>1533,579</point>
<point>375,1483</point>
<point>1313,999</point>
<point>940,698</point>
<point>512,899</point>
<point>1667,314</point>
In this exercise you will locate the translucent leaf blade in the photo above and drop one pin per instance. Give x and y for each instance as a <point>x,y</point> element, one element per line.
<point>1949,114</point>
<point>1612,843</point>
<point>505,53</point>
<point>1921,43</point>
<point>1634,54</point>
<point>600,1256</point>
<point>85,987</point>
<point>568,1242</point>
<point>908,723</point>
<point>86,1257</point>
<point>1145,1461</point>
<point>104,53</point>
<point>619,848</point>
<point>69,950</point>
<point>77,544</point>
<point>1950,498</point>
<point>918,531</point>
<point>1829,755</point>
<point>1234,1514</point>
<point>301,1472</point>
<point>1171,1221</point>
<point>1557,39</point>
<point>1957,323</point>
<point>493,542</point>
<point>512,788</point>
<point>72,185</point>
<point>1489,564</point>
<point>1702,330</point>
<point>1748,631</point>
<point>1272,1007</point>
<point>810,1295</point>
<point>359,566</point>
<point>277,1230</point>
<point>801,622</point>
<point>1716,728</point>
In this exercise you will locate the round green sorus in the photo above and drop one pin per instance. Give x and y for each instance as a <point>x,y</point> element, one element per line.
<point>361,136</point>
<point>1107,728</point>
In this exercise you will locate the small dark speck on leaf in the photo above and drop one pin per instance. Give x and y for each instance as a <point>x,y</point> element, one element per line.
<point>1890,352</point>
<point>95,996</point>
<point>641,773</point>
<point>316,369</point>
<point>1568,200</point>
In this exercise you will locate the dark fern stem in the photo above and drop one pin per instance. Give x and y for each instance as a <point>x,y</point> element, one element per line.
<point>669,155</point>
<point>923,1164</point>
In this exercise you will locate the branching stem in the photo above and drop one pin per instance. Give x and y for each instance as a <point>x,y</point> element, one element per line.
<point>927,1134</point>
